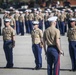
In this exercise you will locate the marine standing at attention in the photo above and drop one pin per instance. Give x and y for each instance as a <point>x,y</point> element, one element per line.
<point>16,17</point>
<point>51,38</point>
<point>8,42</point>
<point>37,43</point>
<point>71,34</point>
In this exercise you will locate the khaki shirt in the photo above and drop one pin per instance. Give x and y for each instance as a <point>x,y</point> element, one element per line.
<point>75,15</point>
<point>71,34</point>
<point>26,17</point>
<point>59,15</point>
<point>36,36</point>
<point>62,17</point>
<point>46,17</point>
<point>50,35</point>
<point>31,16</point>
<point>41,16</point>
<point>8,33</point>
<point>70,15</point>
<point>16,17</point>
<point>21,18</point>
<point>12,21</point>
<point>36,17</point>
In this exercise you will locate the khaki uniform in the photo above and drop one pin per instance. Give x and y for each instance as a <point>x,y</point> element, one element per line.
<point>26,17</point>
<point>21,24</point>
<point>8,44</point>
<point>70,15</point>
<point>75,15</point>
<point>50,35</point>
<point>8,33</point>
<point>36,17</point>
<point>21,18</point>
<point>30,24</point>
<point>12,23</point>
<point>71,34</point>
<point>62,17</point>
<point>16,17</point>
<point>58,15</point>
<point>62,23</point>
<point>36,36</point>
<point>31,16</point>
<point>46,17</point>
<point>41,16</point>
<point>51,14</point>
<point>46,23</point>
<point>36,47</point>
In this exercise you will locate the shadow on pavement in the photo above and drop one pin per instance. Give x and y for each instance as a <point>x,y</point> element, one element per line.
<point>65,69</point>
<point>27,68</point>
<point>30,68</point>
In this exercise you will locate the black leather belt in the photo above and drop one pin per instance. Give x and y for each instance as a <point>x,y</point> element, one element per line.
<point>51,45</point>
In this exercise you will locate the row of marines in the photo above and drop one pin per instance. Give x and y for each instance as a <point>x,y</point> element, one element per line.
<point>23,21</point>
<point>50,37</point>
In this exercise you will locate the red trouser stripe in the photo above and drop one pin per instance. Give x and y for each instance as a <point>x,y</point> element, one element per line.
<point>58,66</point>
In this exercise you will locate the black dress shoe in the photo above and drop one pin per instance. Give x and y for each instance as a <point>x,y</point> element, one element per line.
<point>37,68</point>
<point>73,69</point>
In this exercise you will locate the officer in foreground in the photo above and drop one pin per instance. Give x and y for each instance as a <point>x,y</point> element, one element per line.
<point>71,34</point>
<point>8,42</point>
<point>51,38</point>
<point>37,36</point>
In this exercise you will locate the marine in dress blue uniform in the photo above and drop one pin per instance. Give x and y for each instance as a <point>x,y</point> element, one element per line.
<point>71,34</point>
<point>31,17</point>
<point>69,15</point>
<point>26,17</point>
<point>46,16</point>
<point>12,23</point>
<point>21,23</point>
<point>8,43</point>
<point>62,23</point>
<point>37,44</point>
<point>16,17</point>
<point>41,17</point>
<point>51,37</point>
